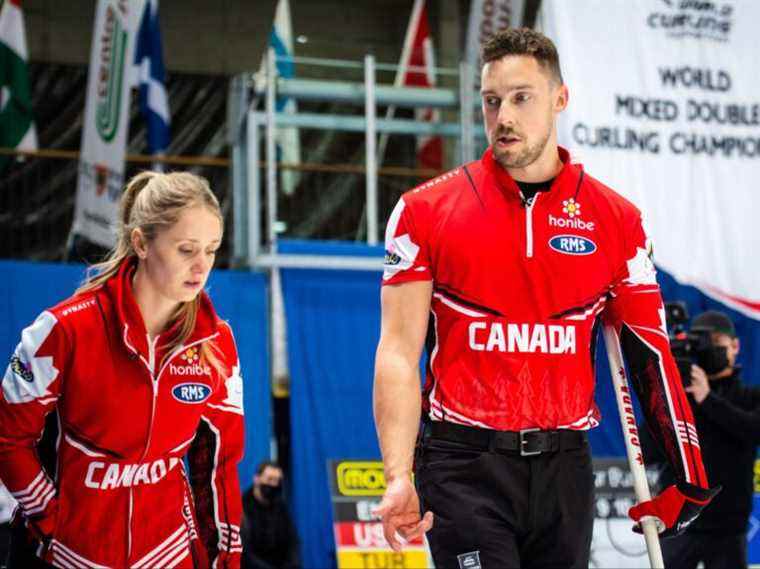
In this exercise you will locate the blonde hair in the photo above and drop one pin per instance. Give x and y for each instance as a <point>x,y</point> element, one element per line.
<point>151,202</point>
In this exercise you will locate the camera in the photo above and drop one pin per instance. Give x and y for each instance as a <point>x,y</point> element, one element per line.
<point>691,346</point>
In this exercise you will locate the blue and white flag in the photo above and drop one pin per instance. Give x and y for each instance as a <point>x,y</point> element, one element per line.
<point>150,79</point>
<point>288,140</point>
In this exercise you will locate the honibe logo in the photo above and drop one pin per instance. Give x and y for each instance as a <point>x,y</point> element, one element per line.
<point>192,365</point>
<point>572,209</point>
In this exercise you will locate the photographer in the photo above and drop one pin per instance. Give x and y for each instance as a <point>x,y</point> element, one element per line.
<point>727,415</point>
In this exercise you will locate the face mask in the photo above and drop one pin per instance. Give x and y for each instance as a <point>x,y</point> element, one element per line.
<point>271,493</point>
<point>713,359</point>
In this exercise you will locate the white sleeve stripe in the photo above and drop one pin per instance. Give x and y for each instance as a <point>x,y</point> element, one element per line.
<point>75,557</point>
<point>28,489</point>
<point>44,486</point>
<point>32,501</point>
<point>169,555</point>
<point>160,548</point>
<point>60,558</point>
<point>236,410</point>
<point>83,448</point>
<point>179,559</point>
<point>49,496</point>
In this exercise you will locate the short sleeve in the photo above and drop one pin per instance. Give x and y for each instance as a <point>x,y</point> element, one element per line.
<point>406,248</point>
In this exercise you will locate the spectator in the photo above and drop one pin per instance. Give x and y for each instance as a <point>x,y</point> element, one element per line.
<point>727,415</point>
<point>269,537</point>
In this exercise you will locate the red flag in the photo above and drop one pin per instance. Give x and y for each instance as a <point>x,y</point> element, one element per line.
<point>417,69</point>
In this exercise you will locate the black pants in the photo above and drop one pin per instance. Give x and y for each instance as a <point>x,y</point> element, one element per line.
<point>716,551</point>
<point>497,509</point>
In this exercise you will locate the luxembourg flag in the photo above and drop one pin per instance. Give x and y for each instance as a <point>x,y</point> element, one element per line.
<point>150,79</point>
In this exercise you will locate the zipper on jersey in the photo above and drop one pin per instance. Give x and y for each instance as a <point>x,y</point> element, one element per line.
<point>529,226</point>
<point>154,387</point>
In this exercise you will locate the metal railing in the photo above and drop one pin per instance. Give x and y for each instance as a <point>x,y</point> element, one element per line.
<point>253,132</point>
<point>37,197</point>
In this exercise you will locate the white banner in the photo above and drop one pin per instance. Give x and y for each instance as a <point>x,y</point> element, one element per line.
<point>664,108</point>
<point>488,17</point>
<point>106,120</point>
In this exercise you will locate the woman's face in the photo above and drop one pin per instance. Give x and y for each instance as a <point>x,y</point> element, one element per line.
<point>178,261</point>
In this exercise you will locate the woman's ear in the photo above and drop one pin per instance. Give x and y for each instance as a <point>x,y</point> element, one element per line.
<point>138,243</point>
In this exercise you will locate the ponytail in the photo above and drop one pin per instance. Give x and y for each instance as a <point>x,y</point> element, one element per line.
<point>99,273</point>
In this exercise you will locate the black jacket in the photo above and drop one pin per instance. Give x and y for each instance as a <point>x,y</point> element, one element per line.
<point>269,537</point>
<point>728,424</point>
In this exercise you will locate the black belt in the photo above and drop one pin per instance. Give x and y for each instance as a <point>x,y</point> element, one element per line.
<point>528,442</point>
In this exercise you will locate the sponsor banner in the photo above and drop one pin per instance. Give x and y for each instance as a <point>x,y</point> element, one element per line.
<point>106,121</point>
<point>359,478</point>
<point>374,559</point>
<point>356,487</point>
<point>359,510</point>
<point>664,109</point>
<point>488,17</point>
<point>613,543</point>
<point>366,535</point>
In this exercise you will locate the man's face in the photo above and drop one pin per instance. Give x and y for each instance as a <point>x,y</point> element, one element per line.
<point>731,345</point>
<point>270,476</point>
<point>520,104</point>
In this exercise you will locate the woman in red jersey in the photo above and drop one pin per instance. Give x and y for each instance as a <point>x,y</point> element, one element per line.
<point>135,372</point>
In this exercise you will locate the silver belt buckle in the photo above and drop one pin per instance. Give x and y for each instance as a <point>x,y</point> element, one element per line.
<point>524,442</point>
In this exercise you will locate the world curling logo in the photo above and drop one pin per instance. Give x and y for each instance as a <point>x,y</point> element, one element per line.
<point>700,19</point>
<point>192,364</point>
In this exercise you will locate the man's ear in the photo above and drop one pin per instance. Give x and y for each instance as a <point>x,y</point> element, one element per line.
<point>138,243</point>
<point>562,98</point>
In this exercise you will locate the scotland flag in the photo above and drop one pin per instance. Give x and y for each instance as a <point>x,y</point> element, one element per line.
<point>149,77</point>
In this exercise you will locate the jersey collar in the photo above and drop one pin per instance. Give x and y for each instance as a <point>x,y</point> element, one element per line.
<point>134,333</point>
<point>506,183</point>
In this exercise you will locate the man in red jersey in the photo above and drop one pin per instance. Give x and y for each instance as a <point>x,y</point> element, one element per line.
<point>504,268</point>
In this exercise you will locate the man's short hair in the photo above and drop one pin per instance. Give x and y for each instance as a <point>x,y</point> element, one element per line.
<point>714,321</point>
<point>523,41</point>
<point>266,464</point>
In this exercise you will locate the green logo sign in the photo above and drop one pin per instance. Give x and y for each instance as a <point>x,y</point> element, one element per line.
<point>113,47</point>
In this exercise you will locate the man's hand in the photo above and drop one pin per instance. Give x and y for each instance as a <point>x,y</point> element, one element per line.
<point>699,388</point>
<point>400,513</point>
<point>675,507</point>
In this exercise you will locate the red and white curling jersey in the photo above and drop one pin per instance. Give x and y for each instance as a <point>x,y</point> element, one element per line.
<point>117,493</point>
<point>519,289</point>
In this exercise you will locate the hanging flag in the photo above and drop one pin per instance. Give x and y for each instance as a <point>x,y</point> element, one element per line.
<point>288,140</point>
<point>150,79</point>
<point>418,68</point>
<point>16,119</point>
<point>488,17</point>
<point>106,121</point>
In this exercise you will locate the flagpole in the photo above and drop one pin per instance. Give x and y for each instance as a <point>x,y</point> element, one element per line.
<point>406,54</point>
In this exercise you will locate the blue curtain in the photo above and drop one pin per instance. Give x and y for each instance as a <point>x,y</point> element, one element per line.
<point>26,289</point>
<point>333,320</point>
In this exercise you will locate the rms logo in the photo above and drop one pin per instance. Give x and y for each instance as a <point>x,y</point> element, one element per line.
<point>191,392</point>
<point>572,245</point>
